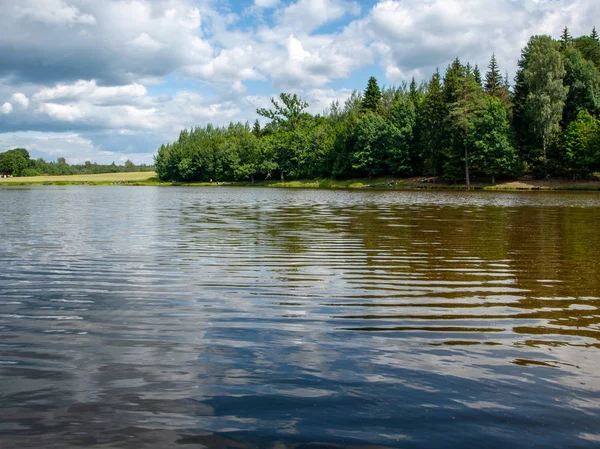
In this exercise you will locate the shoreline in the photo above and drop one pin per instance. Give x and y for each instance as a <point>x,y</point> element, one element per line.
<point>142,179</point>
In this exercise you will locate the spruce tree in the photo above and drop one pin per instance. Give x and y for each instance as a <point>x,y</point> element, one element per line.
<point>454,78</point>
<point>493,79</point>
<point>372,97</point>
<point>565,38</point>
<point>594,35</point>
<point>469,69</point>
<point>462,116</point>
<point>413,91</point>
<point>453,81</point>
<point>432,116</point>
<point>477,74</point>
<point>256,128</point>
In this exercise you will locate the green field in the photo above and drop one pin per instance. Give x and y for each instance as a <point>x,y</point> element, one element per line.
<point>101,179</point>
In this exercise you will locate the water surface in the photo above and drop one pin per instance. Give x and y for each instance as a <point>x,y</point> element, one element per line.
<point>222,317</point>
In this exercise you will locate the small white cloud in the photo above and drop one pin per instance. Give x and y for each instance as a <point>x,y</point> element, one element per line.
<point>20,99</point>
<point>266,3</point>
<point>239,88</point>
<point>62,112</point>
<point>145,42</point>
<point>295,49</point>
<point>91,92</point>
<point>306,15</point>
<point>6,108</point>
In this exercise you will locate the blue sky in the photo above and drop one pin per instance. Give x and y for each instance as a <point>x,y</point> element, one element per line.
<point>112,80</point>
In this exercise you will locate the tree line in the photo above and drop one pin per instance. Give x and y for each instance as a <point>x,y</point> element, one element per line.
<point>17,162</point>
<point>455,126</point>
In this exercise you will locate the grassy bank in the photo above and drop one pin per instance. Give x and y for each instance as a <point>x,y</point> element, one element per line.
<point>150,179</point>
<point>130,178</point>
<point>415,183</point>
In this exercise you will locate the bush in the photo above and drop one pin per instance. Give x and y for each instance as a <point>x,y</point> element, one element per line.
<point>30,172</point>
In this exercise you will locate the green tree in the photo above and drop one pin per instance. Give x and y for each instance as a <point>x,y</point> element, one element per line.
<point>129,166</point>
<point>401,155</point>
<point>543,76</point>
<point>583,80</point>
<point>287,114</point>
<point>372,96</point>
<point>345,138</point>
<point>589,48</point>
<point>431,121</point>
<point>565,38</point>
<point>256,128</point>
<point>376,141</point>
<point>493,152</point>
<point>415,93</point>
<point>13,162</point>
<point>493,79</point>
<point>23,152</point>
<point>580,142</point>
<point>477,75</point>
<point>462,116</point>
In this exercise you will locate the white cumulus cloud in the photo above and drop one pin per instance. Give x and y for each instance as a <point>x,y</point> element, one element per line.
<point>266,3</point>
<point>20,99</point>
<point>6,108</point>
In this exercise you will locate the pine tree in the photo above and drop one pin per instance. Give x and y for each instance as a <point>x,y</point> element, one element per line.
<point>453,81</point>
<point>594,35</point>
<point>493,79</point>
<point>453,137</point>
<point>413,91</point>
<point>372,97</point>
<point>256,128</point>
<point>462,117</point>
<point>432,116</point>
<point>504,94</point>
<point>477,74</point>
<point>468,69</point>
<point>565,38</point>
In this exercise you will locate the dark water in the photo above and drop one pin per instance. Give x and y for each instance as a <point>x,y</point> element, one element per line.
<point>173,317</point>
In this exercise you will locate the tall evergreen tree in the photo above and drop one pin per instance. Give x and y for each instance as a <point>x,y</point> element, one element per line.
<point>431,120</point>
<point>493,79</point>
<point>469,69</point>
<point>565,38</point>
<point>463,115</point>
<point>454,79</point>
<point>372,97</point>
<point>594,35</point>
<point>453,82</point>
<point>477,75</point>
<point>256,128</point>
<point>413,92</point>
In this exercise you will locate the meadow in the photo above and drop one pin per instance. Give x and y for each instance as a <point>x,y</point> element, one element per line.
<point>102,179</point>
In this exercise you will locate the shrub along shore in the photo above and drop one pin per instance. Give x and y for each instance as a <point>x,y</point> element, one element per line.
<point>380,183</point>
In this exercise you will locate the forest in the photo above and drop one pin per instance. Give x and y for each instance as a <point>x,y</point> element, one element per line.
<point>456,126</point>
<point>18,162</point>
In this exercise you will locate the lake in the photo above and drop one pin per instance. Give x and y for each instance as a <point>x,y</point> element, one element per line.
<point>149,317</point>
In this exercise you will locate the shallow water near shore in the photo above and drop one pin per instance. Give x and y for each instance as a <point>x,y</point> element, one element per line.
<point>147,317</point>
